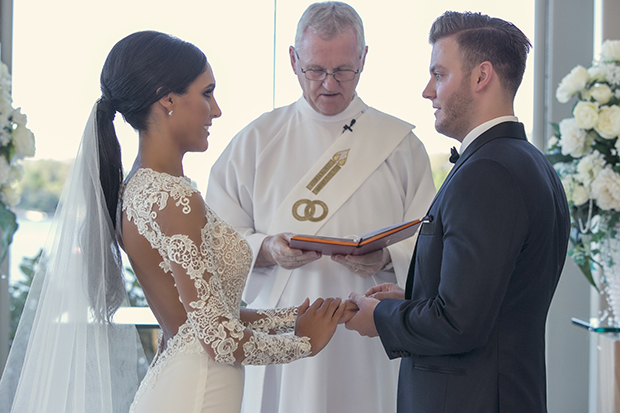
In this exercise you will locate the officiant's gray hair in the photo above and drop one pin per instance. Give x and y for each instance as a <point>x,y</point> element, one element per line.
<point>482,38</point>
<point>329,19</point>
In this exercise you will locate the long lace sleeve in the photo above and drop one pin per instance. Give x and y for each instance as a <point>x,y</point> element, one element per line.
<point>221,332</point>
<point>275,320</point>
<point>209,261</point>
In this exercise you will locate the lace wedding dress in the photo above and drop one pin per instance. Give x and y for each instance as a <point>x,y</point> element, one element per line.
<point>200,369</point>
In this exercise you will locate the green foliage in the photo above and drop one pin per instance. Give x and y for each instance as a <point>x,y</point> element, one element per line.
<point>556,156</point>
<point>42,184</point>
<point>19,291</point>
<point>8,226</point>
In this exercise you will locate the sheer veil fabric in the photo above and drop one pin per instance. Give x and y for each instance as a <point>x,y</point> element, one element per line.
<point>67,356</point>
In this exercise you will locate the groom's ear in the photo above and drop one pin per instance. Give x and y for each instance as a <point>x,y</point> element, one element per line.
<point>483,74</point>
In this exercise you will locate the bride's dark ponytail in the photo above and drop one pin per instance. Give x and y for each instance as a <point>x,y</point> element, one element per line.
<point>110,165</point>
<point>140,69</point>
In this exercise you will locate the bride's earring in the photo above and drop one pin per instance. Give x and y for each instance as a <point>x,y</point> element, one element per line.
<point>170,113</point>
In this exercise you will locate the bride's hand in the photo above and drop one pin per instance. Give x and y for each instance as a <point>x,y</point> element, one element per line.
<point>319,321</point>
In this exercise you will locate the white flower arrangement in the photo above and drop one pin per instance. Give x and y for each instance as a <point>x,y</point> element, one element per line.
<point>16,143</point>
<point>585,152</point>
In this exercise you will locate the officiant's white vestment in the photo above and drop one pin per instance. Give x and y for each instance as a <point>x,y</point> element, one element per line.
<point>295,170</point>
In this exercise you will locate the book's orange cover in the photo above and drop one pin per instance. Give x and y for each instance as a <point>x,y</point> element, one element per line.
<point>369,242</point>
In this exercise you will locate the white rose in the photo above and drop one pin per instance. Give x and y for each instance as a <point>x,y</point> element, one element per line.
<point>553,141</point>
<point>572,83</point>
<point>606,189</point>
<point>610,50</point>
<point>23,140</point>
<point>589,167</point>
<point>597,73</point>
<point>586,114</point>
<point>579,195</point>
<point>600,92</point>
<point>573,139</point>
<point>9,196</point>
<point>608,125</point>
<point>612,74</point>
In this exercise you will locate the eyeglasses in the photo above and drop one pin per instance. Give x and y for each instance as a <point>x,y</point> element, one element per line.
<point>321,75</point>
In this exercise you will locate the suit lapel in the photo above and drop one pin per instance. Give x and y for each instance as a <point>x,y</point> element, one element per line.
<point>409,284</point>
<point>513,130</point>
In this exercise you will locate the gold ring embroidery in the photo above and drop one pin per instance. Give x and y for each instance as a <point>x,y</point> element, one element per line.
<point>310,210</point>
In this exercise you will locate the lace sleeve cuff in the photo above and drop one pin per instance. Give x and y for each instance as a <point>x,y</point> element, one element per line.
<point>263,349</point>
<point>275,320</point>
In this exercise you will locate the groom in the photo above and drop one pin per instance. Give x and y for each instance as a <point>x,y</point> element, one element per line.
<point>470,325</point>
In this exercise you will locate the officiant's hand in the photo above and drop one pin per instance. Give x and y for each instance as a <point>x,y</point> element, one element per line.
<point>365,265</point>
<point>319,321</point>
<point>275,250</point>
<point>363,322</point>
<point>387,290</point>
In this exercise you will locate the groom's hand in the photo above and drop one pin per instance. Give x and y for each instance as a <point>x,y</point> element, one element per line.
<point>363,322</point>
<point>350,309</point>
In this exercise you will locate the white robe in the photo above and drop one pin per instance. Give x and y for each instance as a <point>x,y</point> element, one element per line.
<point>248,183</point>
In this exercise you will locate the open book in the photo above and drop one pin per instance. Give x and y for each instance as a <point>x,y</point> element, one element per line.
<point>357,246</point>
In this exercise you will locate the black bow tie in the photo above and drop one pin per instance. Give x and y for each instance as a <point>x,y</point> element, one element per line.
<point>454,155</point>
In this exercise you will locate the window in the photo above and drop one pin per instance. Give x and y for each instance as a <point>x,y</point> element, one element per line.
<point>59,49</point>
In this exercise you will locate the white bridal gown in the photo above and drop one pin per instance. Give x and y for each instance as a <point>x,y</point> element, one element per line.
<point>184,377</point>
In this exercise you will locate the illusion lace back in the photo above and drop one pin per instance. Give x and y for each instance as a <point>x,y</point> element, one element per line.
<point>199,369</point>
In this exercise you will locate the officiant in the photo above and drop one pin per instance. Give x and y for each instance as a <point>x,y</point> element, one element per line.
<point>327,164</point>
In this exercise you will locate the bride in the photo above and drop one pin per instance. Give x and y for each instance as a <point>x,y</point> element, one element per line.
<point>68,355</point>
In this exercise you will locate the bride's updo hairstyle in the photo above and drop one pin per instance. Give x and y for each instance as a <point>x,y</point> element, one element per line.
<point>140,69</point>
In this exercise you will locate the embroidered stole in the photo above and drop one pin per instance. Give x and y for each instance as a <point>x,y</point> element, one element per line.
<point>329,183</point>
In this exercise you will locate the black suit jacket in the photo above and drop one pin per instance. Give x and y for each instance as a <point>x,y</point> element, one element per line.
<point>471,332</point>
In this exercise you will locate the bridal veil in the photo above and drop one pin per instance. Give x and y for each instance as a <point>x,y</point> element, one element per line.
<point>68,355</point>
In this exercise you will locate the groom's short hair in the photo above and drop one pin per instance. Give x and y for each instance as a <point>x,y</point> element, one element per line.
<point>481,38</point>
